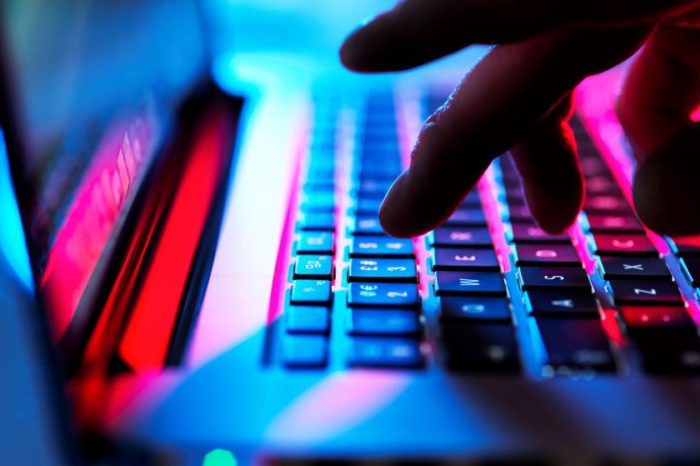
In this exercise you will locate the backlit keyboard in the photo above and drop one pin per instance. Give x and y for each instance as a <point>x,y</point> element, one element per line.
<point>488,291</point>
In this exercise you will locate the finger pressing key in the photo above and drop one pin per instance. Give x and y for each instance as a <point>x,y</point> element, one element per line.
<point>488,113</point>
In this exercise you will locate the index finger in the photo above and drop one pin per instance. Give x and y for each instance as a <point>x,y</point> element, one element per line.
<point>503,97</point>
<point>418,31</point>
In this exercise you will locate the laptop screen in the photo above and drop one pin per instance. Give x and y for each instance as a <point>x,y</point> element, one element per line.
<point>93,88</point>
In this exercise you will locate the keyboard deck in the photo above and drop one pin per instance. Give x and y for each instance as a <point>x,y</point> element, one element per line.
<point>488,291</point>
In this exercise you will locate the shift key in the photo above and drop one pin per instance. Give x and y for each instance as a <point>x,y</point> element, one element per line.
<point>578,344</point>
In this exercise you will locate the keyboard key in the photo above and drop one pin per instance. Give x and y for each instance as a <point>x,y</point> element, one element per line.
<point>601,184</point>
<point>384,270</point>
<point>551,277</point>
<point>515,200</point>
<point>474,308</point>
<point>523,232</point>
<point>397,322</point>
<point>375,189</point>
<point>519,213</point>
<point>467,218</point>
<point>324,202</point>
<point>592,166</point>
<point>575,345</point>
<point>631,268</point>
<point>320,173</point>
<point>311,292</point>
<point>317,221</point>
<point>315,243</point>
<point>367,225</point>
<point>484,347</point>
<point>638,319</point>
<point>312,266</point>
<point>456,237</point>
<point>562,303</point>
<point>623,244</point>
<point>669,353</point>
<point>614,224</point>
<point>305,351</point>
<point>378,246</point>
<point>546,253</point>
<point>313,186</point>
<point>383,294</point>
<point>691,267</point>
<point>465,259</point>
<point>469,283</point>
<point>368,206</point>
<point>472,200</point>
<point>307,319</point>
<point>606,204</point>
<point>644,292</point>
<point>386,353</point>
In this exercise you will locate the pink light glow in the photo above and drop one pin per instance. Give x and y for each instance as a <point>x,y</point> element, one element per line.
<point>336,404</point>
<point>99,200</point>
<point>233,279</point>
<point>408,119</point>
<point>487,188</point>
<point>282,263</point>
<point>595,102</point>
<point>695,115</point>
<point>154,312</point>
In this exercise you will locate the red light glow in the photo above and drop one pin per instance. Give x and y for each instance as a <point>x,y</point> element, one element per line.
<point>145,341</point>
<point>89,224</point>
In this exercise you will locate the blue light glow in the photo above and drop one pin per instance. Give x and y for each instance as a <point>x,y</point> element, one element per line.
<point>12,243</point>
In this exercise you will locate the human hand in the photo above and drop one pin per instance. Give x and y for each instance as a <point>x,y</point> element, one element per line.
<point>518,98</point>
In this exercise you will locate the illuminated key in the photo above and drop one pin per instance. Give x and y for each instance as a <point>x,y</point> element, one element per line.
<point>307,319</point>
<point>383,294</point>
<point>534,278</point>
<point>634,267</point>
<point>383,270</point>
<point>575,345</point>
<point>561,302</point>
<point>474,308</point>
<point>309,266</point>
<point>482,347</point>
<point>644,319</point>
<point>456,237</point>
<point>469,283</point>
<point>546,253</point>
<point>623,244</point>
<point>381,246</point>
<point>644,292</point>
<point>398,322</point>
<point>311,292</point>
<point>315,242</point>
<point>386,352</point>
<point>367,225</point>
<point>465,259</point>
<point>305,351</point>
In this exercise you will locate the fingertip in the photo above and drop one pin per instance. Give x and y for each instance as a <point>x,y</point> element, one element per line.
<point>365,48</point>
<point>353,50</point>
<point>555,216</point>
<point>555,205</point>
<point>397,214</point>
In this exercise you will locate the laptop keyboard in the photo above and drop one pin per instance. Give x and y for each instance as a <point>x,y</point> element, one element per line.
<point>487,292</point>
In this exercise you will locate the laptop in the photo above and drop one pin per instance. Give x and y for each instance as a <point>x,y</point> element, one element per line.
<point>203,244</point>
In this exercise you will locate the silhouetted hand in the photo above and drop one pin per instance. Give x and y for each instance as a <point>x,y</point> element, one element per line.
<point>518,98</point>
